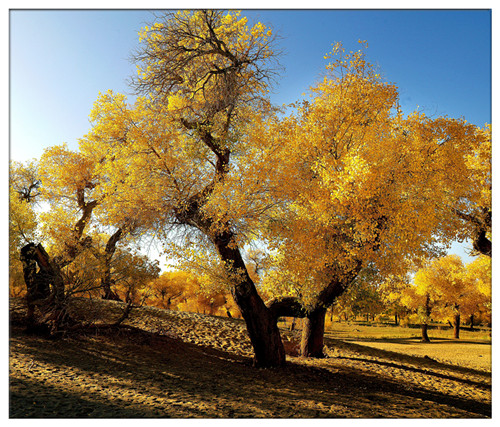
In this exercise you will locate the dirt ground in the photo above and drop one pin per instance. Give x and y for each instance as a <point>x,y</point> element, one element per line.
<point>186,365</point>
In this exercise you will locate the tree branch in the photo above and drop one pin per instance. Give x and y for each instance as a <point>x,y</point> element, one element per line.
<point>286,307</point>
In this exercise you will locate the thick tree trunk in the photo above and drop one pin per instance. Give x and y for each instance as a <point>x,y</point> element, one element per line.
<point>45,288</point>
<point>109,294</point>
<point>425,336</point>
<point>396,321</point>
<point>482,224</point>
<point>262,325</point>
<point>313,330</point>
<point>37,287</point>
<point>264,333</point>
<point>456,326</point>
<point>314,327</point>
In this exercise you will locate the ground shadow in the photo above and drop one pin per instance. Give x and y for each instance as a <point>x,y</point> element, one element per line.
<point>423,362</point>
<point>133,373</point>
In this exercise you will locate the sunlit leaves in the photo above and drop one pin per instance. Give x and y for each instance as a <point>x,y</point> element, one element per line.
<point>453,287</point>
<point>364,181</point>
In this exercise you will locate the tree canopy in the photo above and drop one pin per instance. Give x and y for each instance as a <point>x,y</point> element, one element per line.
<point>335,184</point>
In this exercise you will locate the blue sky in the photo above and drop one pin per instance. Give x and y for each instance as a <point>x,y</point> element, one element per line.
<point>60,60</point>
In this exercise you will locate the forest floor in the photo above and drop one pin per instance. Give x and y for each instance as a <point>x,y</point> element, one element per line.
<point>184,365</point>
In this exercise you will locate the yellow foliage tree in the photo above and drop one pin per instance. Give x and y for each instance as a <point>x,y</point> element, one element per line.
<point>23,221</point>
<point>453,288</point>
<point>205,78</point>
<point>182,291</point>
<point>344,181</point>
<point>363,184</point>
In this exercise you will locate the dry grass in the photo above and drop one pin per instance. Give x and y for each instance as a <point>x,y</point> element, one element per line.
<point>185,365</point>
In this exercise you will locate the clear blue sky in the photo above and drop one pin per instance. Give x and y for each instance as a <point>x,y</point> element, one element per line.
<point>60,60</point>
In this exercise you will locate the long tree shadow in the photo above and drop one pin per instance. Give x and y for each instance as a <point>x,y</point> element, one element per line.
<point>416,339</point>
<point>424,362</point>
<point>223,383</point>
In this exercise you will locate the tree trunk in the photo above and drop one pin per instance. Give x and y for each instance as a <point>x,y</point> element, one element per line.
<point>313,330</point>
<point>396,320</point>
<point>471,317</point>
<point>37,288</point>
<point>456,326</point>
<point>108,256</point>
<point>45,288</point>
<point>314,322</point>
<point>109,294</point>
<point>481,243</point>
<point>425,336</point>
<point>262,324</point>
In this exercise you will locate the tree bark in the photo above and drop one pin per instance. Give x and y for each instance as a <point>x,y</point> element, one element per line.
<point>471,319</point>
<point>481,220</point>
<point>481,243</point>
<point>261,322</point>
<point>313,330</point>
<point>456,326</point>
<point>425,336</point>
<point>108,256</point>
<point>315,314</point>
<point>45,288</point>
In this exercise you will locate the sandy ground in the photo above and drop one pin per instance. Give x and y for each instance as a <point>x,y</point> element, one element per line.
<point>185,365</point>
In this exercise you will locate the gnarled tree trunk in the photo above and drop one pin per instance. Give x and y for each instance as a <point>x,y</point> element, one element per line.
<point>45,287</point>
<point>262,324</point>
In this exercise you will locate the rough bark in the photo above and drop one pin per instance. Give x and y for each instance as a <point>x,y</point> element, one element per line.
<point>108,256</point>
<point>314,315</point>
<point>313,330</point>
<point>260,320</point>
<point>425,335</point>
<point>481,222</point>
<point>481,243</point>
<point>45,287</point>
<point>311,343</point>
